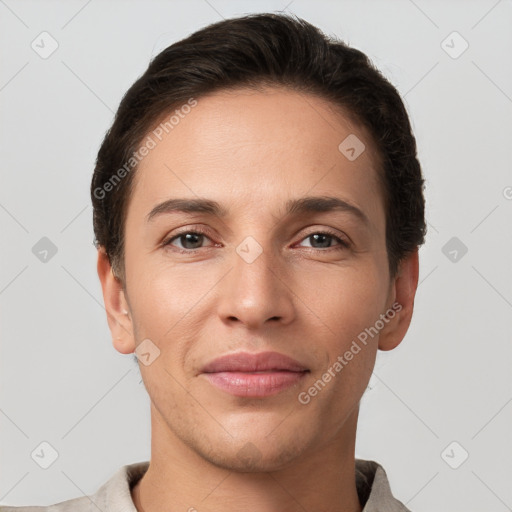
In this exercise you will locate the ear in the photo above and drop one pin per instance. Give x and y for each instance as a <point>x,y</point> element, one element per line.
<point>402,292</point>
<point>117,308</point>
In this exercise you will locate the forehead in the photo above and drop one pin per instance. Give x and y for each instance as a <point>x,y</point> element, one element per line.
<point>270,145</point>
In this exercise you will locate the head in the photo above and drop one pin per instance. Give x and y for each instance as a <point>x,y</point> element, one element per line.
<point>299,232</point>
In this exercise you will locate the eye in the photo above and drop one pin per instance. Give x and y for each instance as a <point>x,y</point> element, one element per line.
<point>323,240</point>
<point>189,240</point>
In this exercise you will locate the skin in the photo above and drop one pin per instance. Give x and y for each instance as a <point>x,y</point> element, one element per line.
<point>252,151</point>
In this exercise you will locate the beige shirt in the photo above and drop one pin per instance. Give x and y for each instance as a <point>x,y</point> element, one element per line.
<point>114,495</point>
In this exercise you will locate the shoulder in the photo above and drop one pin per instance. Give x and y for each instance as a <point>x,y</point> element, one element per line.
<point>113,495</point>
<point>82,504</point>
<point>374,489</point>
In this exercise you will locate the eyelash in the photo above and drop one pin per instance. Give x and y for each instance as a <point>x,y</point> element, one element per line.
<point>342,243</point>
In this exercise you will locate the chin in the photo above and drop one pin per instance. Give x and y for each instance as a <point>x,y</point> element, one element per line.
<point>254,456</point>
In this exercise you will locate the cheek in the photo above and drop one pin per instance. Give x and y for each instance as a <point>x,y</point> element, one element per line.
<point>345,301</point>
<point>165,304</point>
<point>171,307</point>
<point>163,298</point>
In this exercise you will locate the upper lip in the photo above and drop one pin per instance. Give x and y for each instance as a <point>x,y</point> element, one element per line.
<point>247,362</point>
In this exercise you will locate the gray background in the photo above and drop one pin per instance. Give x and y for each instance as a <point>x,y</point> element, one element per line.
<point>450,380</point>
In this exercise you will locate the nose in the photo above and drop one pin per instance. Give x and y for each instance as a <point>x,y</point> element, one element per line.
<point>256,293</point>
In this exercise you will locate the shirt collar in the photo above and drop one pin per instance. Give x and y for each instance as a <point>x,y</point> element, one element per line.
<point>372,485</point>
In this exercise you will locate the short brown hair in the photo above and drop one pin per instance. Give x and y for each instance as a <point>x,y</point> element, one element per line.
<point>250,51</point>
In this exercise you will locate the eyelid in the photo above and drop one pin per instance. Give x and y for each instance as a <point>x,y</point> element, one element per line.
<point>187,229</point>
<point>341,237</point>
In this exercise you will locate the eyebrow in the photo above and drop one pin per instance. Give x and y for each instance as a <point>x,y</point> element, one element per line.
<point>311,204</point>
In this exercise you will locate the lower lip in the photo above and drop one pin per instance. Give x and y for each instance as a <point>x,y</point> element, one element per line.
<point>254,385</point>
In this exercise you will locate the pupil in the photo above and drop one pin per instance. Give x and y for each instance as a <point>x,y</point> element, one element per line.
<point>191,238</point>
<point>321,236</point>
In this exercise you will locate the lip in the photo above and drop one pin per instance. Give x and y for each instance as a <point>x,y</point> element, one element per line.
<point>254,375</point>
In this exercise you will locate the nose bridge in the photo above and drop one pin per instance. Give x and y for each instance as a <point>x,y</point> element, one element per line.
<point>256,292</point>
<point>255,267</point>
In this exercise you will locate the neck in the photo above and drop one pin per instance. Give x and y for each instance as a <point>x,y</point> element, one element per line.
<point>179,480</point>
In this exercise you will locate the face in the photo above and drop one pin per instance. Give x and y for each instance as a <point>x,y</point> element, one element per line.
<point>261,267</point>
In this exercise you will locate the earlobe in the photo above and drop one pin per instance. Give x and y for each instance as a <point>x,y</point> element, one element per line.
<point>404,291</point>
<point>123,345</point>
<point>116,306</point>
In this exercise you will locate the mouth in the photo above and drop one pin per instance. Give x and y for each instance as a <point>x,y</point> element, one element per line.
<point>254,375</point>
